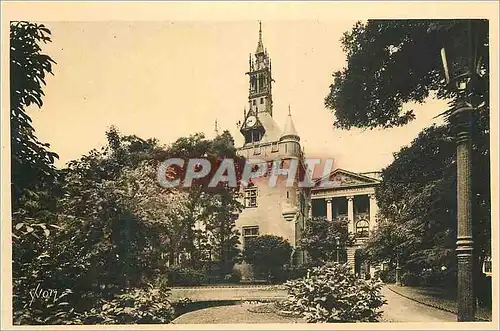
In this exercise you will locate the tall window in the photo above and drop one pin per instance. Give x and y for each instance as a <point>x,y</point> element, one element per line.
<point>249,232</point>
<point>362,229</point>
<point>361,204</point>
<point>250,195</point>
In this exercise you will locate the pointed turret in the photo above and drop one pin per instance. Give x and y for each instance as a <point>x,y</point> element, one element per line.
<point>289,132</point>
<point>260,45</point>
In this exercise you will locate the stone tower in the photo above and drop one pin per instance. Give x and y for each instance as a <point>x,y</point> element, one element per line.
<point>278,209</point>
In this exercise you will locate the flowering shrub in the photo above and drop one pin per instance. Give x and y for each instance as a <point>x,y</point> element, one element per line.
<point>332,293</point>
<point>136,306</point>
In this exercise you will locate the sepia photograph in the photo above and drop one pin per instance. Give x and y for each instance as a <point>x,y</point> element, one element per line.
<point>195,165</point>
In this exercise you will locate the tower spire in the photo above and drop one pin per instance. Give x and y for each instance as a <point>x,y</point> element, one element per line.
<point>289,132</point>
<point>260,45</point>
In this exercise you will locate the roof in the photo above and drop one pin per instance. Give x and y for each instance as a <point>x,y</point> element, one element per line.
<point>289,129</point>
<point>343,178</point>
<point>272,130</point>
<point>260,45</point>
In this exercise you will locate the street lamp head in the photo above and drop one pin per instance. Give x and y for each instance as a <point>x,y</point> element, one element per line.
<point>462,81</point>
<point>462,54</point>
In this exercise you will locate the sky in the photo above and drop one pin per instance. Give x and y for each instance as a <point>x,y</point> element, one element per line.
<point>168,79</point>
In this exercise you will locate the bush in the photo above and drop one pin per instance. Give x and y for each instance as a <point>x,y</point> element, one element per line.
<point>332,293</point>
<point>267,254</point>
<point>291,272</point>
<point>185,276</point>
<point>410,279</point>
<point>46,310</point>
<point>136,306</point>
<point>388,276</point>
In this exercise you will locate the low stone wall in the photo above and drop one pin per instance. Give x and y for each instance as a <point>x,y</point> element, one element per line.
<point>240,293</point>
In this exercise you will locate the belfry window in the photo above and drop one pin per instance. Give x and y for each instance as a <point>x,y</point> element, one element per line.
<point>261,100</point>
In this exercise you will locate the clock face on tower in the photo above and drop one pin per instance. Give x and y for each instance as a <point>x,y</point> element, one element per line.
<point>251,120</point>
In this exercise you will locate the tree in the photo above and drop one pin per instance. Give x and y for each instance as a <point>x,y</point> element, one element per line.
<point>34,185</point>
<point>319,239</point>
<point>417,204</point>
<point>213,209</point>
<point>393,62</point>
<point>267,253</point>
<point>32,162</point>
<point>103,214</point>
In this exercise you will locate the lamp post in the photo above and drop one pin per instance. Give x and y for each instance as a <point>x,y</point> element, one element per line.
<point>398,271</point>
<point>463,82</point>
<point>337,247</point>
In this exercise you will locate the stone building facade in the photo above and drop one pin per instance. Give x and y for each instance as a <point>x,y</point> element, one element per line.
<point>282,209</point>
<point>350,197</point>
<point>269,209</point>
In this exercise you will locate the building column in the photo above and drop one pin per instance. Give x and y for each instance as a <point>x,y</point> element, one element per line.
<point>329,216</point>
<point>373,211</point>
<point>350,213</point>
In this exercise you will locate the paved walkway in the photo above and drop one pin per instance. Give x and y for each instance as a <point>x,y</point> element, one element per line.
<point>234,314</point>
<point>398,308</point>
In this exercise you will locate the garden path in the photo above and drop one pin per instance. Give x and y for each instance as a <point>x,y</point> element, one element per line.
<point>398,308</point>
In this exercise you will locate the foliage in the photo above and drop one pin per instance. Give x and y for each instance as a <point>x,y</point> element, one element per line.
<point>32,162</point>
<point>418,206</point>
<point>291,272</point>
<point>185,276</point>
<point>135,306</point>
<point>319,239</point>
<point>103,224</point>
<point>52,308</point>
<point>388,275</point>
<point>393,62</point>
<point>332,293</point>
<point>267,253</point>
<point>212,211</point>
<point>111,235</point>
